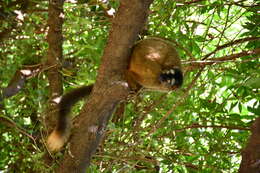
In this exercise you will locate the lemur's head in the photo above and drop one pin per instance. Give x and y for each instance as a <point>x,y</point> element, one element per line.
<point>155,64</point>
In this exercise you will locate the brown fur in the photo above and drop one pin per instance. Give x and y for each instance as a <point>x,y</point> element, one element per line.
<point>149,58</point>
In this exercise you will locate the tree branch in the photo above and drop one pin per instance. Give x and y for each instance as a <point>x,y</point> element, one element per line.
<point>197,64</point>
<point>18,81</point>
<point>212,126</point>
<point>242,40</point>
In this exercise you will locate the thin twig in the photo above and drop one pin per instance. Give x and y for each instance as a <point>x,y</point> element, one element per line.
<point>10,123</point>
<point>211,126</point>
<point>179,102</point>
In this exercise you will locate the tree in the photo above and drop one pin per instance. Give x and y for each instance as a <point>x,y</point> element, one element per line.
<point>202,127</point>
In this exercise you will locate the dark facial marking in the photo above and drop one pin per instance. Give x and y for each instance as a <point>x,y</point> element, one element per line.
<point>173,77</point>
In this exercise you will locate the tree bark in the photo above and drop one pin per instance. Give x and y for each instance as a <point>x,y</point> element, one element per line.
<point>54,58</point>
<point>110,87</point>
<point>251,154</point>
<point>53,64</point>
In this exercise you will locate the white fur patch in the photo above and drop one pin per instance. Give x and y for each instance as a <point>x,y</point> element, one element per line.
<point>93,129</point>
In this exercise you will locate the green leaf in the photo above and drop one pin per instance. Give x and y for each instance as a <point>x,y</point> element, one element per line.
<point>256,111</point>
<point>253,83</point>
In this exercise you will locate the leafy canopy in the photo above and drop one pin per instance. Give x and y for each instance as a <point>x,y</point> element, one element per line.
<point>200,128</point>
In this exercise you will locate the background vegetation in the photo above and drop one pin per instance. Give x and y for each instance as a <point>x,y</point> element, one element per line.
<point>201,128</point>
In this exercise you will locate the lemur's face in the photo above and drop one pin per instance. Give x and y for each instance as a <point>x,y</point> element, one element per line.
<point>172,78</point>
<point>155,65</point>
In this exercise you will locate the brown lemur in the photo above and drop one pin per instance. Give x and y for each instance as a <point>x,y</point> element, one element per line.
<point>154,65</point>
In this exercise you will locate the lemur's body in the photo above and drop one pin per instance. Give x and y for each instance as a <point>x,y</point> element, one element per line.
<point>154,64</point>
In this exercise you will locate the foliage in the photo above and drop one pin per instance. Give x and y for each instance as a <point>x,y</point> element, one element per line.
<point>200,128</point>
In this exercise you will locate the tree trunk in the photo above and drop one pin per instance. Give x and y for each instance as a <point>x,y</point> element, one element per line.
<point>251,154</point>
<point>53,64</point>
<point>110,88</point>
<point>54,57</point>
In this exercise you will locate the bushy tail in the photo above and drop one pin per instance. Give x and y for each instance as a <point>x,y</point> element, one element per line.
<point>62,130</point>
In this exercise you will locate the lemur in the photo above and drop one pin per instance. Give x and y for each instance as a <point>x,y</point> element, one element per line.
<point>154,64</point>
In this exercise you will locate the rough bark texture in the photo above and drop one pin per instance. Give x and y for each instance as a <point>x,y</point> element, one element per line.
<point>110,87</point>
<point>53,63</point>
<point>251,154</point>
<point>54,56</point>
